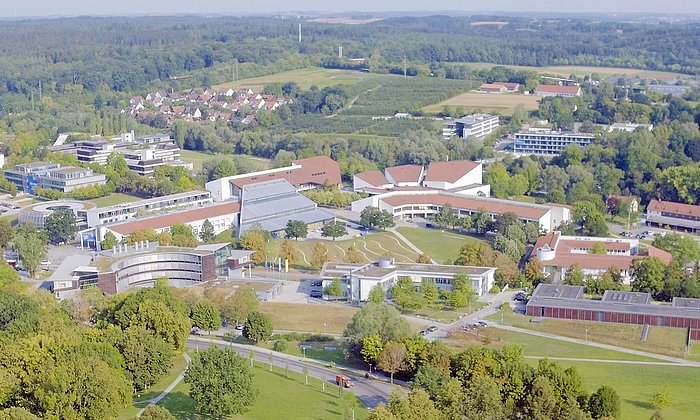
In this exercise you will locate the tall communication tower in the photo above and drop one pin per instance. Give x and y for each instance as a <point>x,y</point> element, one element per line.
<point>300,32</point>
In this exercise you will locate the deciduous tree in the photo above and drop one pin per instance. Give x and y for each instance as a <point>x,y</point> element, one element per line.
<point>334,229</point>
<point>296,229</point>
<point>288,251</point>
<point>604,403</point>
<point>376,294</point>
<point>319,256</point>
<point>392,359</point>
<point>61,226</point>
<point>206,316</point>
<point>207,232</point>
<point>258,327</point>
<point>335,288</point>
<point>243,302</point>
<point>352,255</point>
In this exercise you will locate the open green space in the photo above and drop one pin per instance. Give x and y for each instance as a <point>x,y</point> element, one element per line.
<point>305,78</point>
<point>637,384</point>
<point>197,158</point>
<point>280,397</point>
<point>661,340</point>
<point>565,71</point>
<point>440,245</point>
<point>537,346</point>
<point>142,400</point>
<point>302,317</point>
<point>503,104</point>
<point>442,312</point>
<point>114,198</point>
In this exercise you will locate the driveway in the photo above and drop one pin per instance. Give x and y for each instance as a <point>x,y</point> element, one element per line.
<point>372,392</point>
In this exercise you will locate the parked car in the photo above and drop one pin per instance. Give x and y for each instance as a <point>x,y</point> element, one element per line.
<point>316,294</point>
<point>483,323</point>
<point>424,332</point>
<point>433,328</point>
<point>430,225</point>
<point>239,327</point>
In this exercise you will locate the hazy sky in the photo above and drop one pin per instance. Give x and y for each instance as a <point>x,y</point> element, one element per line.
<point>10,8</point>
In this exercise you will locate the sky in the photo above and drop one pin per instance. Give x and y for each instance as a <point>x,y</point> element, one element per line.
<point>10,8</point>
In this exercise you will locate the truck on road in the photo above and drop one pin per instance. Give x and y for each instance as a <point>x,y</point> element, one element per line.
<point>344,381</point>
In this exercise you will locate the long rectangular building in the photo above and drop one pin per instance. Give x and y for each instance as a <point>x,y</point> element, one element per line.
<point>567,302</point>
<point>426,203</point>
<point>679,216</point>
<point>540,142</point>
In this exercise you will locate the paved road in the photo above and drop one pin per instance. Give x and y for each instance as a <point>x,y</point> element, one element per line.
<point>674,360</point>
<point>372,392</point>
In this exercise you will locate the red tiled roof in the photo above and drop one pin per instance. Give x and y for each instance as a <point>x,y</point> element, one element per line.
<point>314,170</point>
<point>522,211</point>
<point>571,90</point>
<point>405,173</point>
<point>450,171</point>
<point>374,178</point>
<point>674,208</point>
<point>167,220</point>
<point>492,86</point>
<point>510,86</point>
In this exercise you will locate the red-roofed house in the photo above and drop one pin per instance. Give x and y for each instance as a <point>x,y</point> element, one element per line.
<point>405,175</point>
<point>304,174</point>
<point>493,88</point>
<point>679,216</point>
<point>452,174</point>
<point>558,253</point>
<point>223,216</point>
<point>556,90</point>
<point>370,179</point>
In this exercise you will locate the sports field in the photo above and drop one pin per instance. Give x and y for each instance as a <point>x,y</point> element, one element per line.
<point>305,78</point>
<point>502,103</point>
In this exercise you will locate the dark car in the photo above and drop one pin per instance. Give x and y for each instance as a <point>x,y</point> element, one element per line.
<point>316,294</point>
<point>433,328</point>
<point>430,225</point>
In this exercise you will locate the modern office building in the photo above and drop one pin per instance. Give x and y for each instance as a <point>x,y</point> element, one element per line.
<point>567,302</point>
<point>359,279</point>
<point>678,216</point>
<point>476,125</point>
<point>303,174</point>
<point>144,161</point>
<point>540,142</point>
<point>558,253</point>
<point>36,214</point>
<point>65,179</point>
<point>629,127</point>
<point>76,272</point>
<point>125,211</point>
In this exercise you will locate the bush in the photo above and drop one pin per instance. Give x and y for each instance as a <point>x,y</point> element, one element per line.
<point>280,345</point>
<point>495,289</point>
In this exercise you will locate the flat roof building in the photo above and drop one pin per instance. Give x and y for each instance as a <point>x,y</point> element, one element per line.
<point>567,302</point>
<point>476,125</point>
<point>359,279</point>
<point>65,179</point>
<point>540,142</point>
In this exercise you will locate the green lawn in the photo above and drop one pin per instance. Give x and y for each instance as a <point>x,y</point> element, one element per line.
<point>537,346</point>
<point>441,245</point>
<point>637,384</point>
<point>114,198</point>
<point>197,158</point>
<point>441,312</point>
<point>279,398</point>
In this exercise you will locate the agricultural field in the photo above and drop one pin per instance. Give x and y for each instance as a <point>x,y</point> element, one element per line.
<point>565,71</point>
<point>346,20</point>
<point>442,246</point>
<point>279,397</point>
<point>502,103</point>
<point>305,78</point>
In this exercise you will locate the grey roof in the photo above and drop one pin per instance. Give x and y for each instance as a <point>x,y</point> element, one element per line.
<point>68,265</point>
<point>212,247</point>
<point>674,221</point>
<point>615,296</point>
<point>474,118</point>
<point>271,204</point>
<point>153,200</point>
<point>240,253</point>
<point>681,302</point>
<point>558,291</point>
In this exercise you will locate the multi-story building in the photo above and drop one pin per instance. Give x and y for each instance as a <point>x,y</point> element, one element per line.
<point>476,125</point>
<point>144,161</point>
<point>541,142</point>
<point>629,127</point>
<point>678,216</point>
<point>359,279</point>
<point>125,211</point>
<point>29,176</point>
<point>558,253</point>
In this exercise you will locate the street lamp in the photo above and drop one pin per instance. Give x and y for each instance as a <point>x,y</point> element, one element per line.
<point>370,368</point>
<point>303,349</point>
<point>324,327</point>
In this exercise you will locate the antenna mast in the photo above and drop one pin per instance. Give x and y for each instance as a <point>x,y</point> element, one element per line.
<point>300,32</point>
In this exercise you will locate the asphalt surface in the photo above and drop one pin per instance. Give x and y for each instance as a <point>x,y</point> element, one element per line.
<point>372,392</point>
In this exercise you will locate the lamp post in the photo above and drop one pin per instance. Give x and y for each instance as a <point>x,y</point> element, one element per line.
<point>303,349</point>
<point>324,327</point>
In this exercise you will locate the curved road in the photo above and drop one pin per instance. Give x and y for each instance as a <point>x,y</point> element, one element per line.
<point>372,392</point>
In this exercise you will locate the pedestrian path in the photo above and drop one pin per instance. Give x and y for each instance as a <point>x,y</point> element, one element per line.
<point>167,390</point>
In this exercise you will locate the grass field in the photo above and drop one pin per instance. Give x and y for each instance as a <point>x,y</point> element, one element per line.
<point>311,318</point>
<point>440,245</point>
<point>636,385</point>
<point>197,158</point>
<point>114,198</point>
<point>667,341</point>
<point>305,78</point>
<point>279,398</point>
<point>371,247</point>
<point>536,346</point>
<point>486,102</point>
